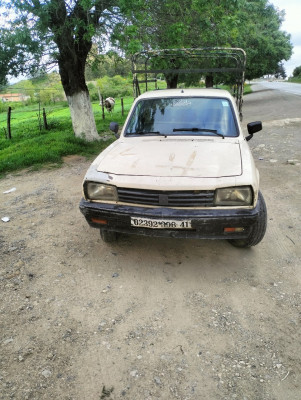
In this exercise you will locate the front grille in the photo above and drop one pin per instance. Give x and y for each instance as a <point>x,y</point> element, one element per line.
<point>192,198</point>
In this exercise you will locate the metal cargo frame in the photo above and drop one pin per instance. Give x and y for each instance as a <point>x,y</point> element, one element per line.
<point>230,60</point>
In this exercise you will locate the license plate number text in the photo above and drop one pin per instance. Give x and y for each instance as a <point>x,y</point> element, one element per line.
<point>160,224</point>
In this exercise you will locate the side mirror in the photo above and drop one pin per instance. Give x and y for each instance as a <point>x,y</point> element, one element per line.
<point>253,127</point>
<point>114,127</point>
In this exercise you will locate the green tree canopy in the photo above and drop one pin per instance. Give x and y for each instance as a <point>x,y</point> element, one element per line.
<point>20,53</point>
<point>252,25</point>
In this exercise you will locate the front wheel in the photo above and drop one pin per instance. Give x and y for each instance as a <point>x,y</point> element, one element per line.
<point>108,236</point>
<point>258,229</point>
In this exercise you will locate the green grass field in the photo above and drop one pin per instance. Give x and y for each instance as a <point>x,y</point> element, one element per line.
<point>32,147</point>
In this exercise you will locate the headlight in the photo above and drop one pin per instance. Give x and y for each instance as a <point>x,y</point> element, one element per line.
<point>234,196</point>
<point>100,191</point>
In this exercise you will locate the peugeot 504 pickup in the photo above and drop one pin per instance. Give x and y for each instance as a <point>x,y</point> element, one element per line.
<point>181,167</point>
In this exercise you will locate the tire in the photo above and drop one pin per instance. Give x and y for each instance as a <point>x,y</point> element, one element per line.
<point>258,229</point>
<point>108,236</point>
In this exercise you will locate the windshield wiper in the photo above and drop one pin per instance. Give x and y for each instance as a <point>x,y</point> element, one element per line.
<point>199,130</point>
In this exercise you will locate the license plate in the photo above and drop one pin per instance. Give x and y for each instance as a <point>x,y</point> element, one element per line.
<point>160,223</point>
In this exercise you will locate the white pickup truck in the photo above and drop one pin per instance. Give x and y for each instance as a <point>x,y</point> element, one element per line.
<point>181,168</point>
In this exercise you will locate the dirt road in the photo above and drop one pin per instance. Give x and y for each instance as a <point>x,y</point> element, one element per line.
<point>150,318</point>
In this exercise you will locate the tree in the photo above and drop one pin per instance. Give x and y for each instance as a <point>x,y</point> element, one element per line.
<point>297,72</point>
<point>64,30</point>
<point>251,25</point>
<point>280,72</point>
<point>19,52</point>
<point>266,45</point>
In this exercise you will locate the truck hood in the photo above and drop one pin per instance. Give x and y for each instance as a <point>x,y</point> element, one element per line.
<point>196,158</point>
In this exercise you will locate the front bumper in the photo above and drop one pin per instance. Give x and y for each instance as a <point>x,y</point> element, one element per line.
<point>206,223</point>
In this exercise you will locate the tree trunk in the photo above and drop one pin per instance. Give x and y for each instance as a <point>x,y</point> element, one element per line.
<point>73,81</point>
<point>209,81</point>
<point>74,46</point>
<point>82,116</point>
<point>172,80</point>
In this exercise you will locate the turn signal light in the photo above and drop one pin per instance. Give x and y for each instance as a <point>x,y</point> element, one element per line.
<point>99,221</point>
<point>230,230</point>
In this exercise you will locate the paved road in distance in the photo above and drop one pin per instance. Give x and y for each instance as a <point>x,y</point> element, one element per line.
<point>288,87</point>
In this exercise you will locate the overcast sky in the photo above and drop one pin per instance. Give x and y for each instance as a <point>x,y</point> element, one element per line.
<point>292,25</point>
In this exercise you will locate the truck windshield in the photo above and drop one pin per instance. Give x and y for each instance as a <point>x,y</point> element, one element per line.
<point>191,116</point>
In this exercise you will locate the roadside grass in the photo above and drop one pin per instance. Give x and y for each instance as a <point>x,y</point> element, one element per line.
<point>33,147</point>
<point>247,89</point>
<point>45,149</point>
<point>295,80</point>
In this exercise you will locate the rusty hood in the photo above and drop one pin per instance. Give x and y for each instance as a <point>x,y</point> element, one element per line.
<point>173,157</point>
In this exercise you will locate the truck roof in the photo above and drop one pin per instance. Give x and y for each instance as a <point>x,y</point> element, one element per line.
<point>217,93</point>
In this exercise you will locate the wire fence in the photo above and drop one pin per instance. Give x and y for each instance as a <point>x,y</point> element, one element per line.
<point>21,114</point>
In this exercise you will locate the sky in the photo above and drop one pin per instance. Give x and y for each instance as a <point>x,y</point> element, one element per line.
<point>292,25</point>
